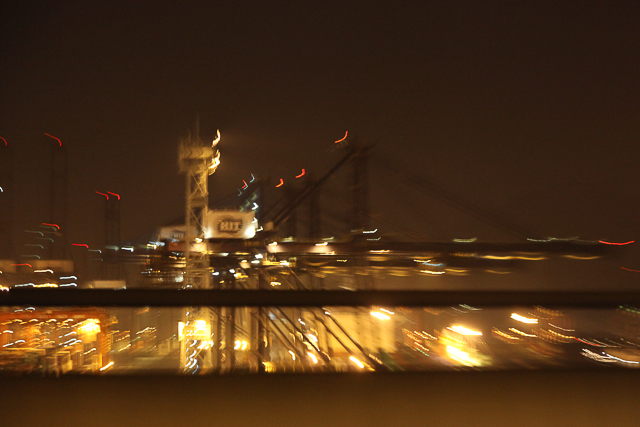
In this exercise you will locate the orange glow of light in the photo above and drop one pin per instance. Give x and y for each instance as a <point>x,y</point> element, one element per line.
<point>52,225</point>
<point>617,244</point>
<point>60,142</point>
<point>628,269</point>
<point>81,244</point>
<point>245,184</point>
<point>21,264</point>
<point>5,141</point>
<point>103,194</point>
<point>345,137</point>
<point>117,195</point>
<point>302,174</point>
<point>281,183</point>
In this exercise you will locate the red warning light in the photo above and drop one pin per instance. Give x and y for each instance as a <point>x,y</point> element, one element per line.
<point>345,137</point>
<point>616,244</point>
<point>60,142</point>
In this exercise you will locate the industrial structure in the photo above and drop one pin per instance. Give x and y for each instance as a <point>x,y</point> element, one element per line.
<point>197,160</point>
<point>267,240</point>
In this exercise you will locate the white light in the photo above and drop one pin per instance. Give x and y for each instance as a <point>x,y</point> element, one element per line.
<point>322,244</point>
<point>313,357</point>
<point>107,366</point>
<point>516,316</point>
<point>464,331</point>
<point>215,141</point>
<point>255,206</point>
<point>357,362</point>
<point>380,316</point>
<point>237,345</point>
<point>293,356</point>
<point>370,231</point>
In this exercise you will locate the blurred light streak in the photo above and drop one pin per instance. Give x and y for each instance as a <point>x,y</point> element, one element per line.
<point>464,331</point>
<point>582,256</point>
<point>617,244</point>
<point>244,187</point>
<point>313,357</point>
<point>281,183</point>
<point>516,316</point>
<point>345,137</point>
<point>563,329</point>
<point>588,342</point>
<point>60,142</point>
<point>628,269</point>
<point>81,244</point>
<point>621,360</point>
<point>301,175</point>
<point>519,332</point>
<point>354,359</point>
<point>51,225</point>
<point>117,195</point>
<point>253,178</point>
<point>103,194</point>
<point>473,239</point>
<point>5,141</point>
<point>215,141</point>
<point>379,315</point>
<point>16,265</point>
<point>107,366</point>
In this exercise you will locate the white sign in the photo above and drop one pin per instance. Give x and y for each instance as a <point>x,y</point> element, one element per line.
<point>230,225</point>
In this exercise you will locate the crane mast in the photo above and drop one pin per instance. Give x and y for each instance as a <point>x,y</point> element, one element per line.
<point>197,160</point>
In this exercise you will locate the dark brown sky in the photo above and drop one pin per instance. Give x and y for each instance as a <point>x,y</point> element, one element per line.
<point>528,109</point>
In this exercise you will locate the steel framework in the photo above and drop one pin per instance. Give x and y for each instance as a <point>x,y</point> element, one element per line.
<point>197,161</point>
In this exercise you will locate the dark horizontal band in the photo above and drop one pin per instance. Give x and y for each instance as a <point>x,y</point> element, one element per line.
<point>239,298</point>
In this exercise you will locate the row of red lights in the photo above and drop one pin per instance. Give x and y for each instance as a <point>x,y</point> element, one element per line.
<point>57,139</point>
<point>107,194</point>
<point>244,187</point>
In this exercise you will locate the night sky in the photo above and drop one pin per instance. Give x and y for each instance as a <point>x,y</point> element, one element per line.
<point>525,109</point>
